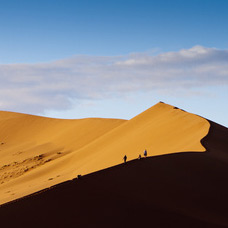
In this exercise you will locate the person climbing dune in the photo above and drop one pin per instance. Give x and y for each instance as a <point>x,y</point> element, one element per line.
<point>145,153</point>
<point>125,158</point>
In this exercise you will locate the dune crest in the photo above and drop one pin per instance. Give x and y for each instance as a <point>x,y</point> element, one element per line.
<point>38,152</point>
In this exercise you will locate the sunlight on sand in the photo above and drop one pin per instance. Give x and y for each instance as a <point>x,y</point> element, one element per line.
<point>38,152</point>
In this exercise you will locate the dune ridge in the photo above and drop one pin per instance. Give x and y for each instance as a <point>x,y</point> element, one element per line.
<point>38,152</point>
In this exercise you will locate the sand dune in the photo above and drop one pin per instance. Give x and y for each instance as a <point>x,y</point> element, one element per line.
<point>28,143</point>
<point>38,152</point>
<point>173,190</point>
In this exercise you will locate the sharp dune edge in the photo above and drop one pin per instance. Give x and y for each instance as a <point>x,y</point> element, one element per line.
<point>172,187</point>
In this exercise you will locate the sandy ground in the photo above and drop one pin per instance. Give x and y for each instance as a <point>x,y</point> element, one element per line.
<point>38,152</point>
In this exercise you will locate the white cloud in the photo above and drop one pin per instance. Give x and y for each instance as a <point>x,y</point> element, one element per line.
<point>34,88</point>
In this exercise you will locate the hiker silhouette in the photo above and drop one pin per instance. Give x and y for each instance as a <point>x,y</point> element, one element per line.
<point>125,158</point>
<point>145,153</point>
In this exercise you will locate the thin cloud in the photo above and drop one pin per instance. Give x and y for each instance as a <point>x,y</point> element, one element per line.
<point>34,88</point>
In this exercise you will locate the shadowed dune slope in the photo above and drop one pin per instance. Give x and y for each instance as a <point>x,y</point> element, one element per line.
<point>174,190</point>
<point>38,152</point>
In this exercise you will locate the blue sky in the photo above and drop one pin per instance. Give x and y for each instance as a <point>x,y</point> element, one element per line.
<point>85,58</point>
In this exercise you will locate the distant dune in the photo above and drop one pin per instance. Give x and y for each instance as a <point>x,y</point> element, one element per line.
<point>168,189</point>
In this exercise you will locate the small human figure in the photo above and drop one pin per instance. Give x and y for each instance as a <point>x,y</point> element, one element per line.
<point>145,153</point>
<point>125,158</point>
<point>139,156</point>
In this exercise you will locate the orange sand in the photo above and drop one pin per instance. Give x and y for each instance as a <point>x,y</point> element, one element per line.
<point>38,152</point>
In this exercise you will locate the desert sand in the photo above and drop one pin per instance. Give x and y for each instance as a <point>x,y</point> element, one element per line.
<point>183,182</point>
<point>38,152</point>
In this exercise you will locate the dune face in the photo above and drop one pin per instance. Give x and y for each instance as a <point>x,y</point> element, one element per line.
<point>30,144</point>
<point>172,190</point>
<point>38,152</point>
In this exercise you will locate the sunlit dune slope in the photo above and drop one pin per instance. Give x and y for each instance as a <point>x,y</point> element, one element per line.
<point>161,129</point>
<point>39,152</point>
<point>29,142</point>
